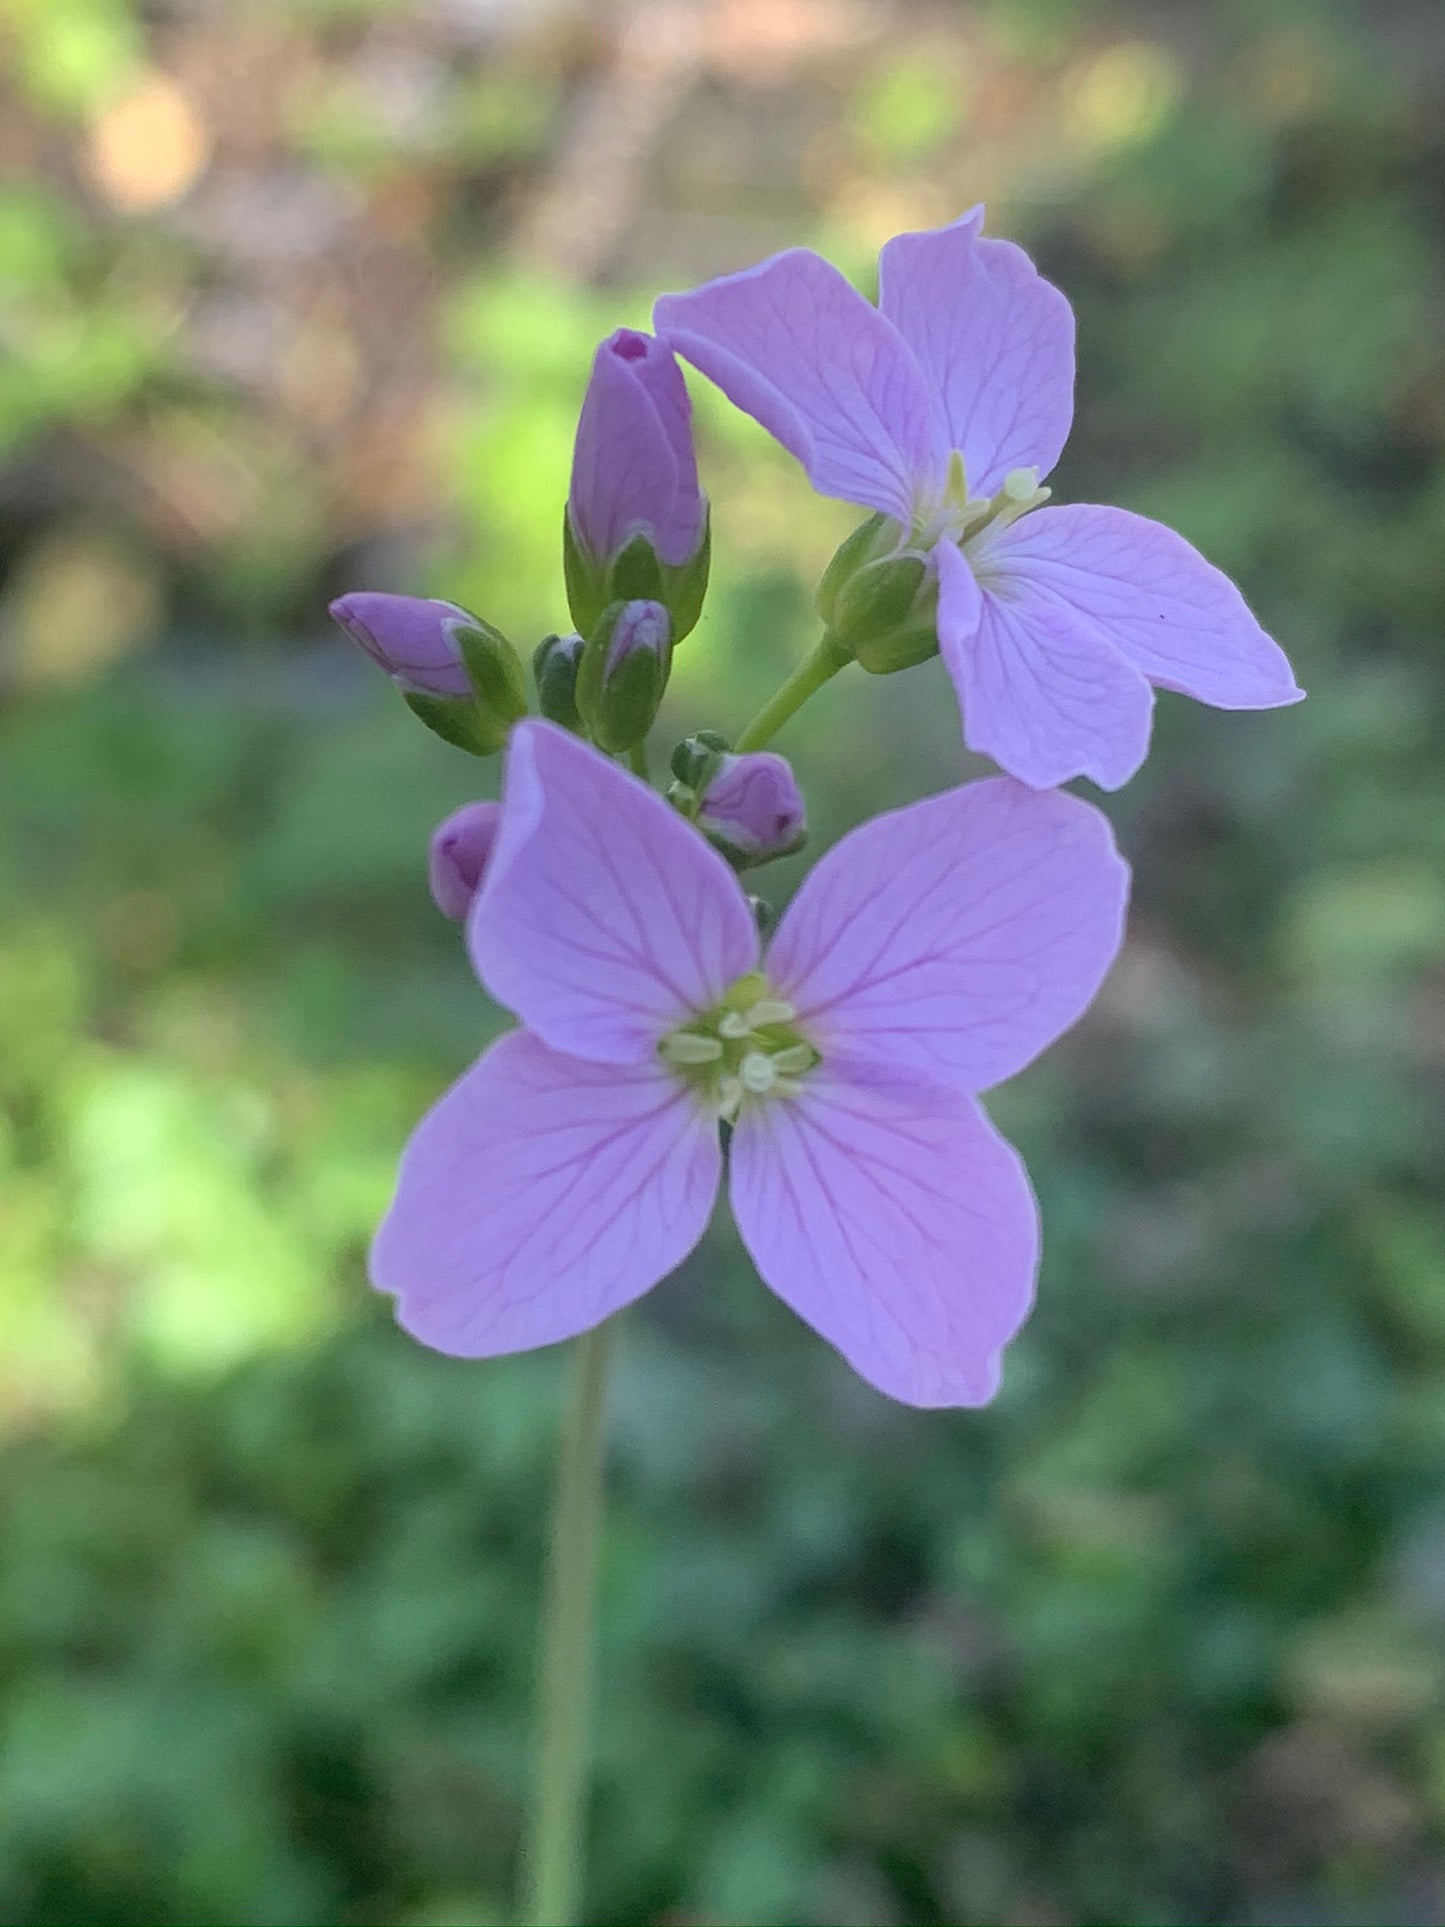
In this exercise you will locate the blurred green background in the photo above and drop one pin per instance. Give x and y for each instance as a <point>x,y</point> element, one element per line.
<point>296,298</point>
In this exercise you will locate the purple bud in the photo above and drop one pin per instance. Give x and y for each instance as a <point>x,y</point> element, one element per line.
<point>639,625</point>
<point>410,637</point>
<point>753,808</point>
<point>634,471</point>
<point>457,860</point>
<point>623,672</point>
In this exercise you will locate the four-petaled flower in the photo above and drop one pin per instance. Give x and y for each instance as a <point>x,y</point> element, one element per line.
<point>932,953</point>
<point>940,409</point>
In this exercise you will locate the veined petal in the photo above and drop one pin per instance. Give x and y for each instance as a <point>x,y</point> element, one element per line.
<point>794,345</point>
<point>897,1223</point>
<point>604,919</point>
<point>1178,619</point>
<point>540,1196</point>
<point>958,937</point>
<point>1044,692</point>
<point>995,340</point>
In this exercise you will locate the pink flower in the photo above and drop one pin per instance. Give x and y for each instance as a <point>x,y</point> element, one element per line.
<point>940,409</point>
<point>932,953</point>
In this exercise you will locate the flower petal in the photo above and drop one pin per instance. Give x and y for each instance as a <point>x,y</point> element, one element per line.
<point>897,1223</point>
<point>604,919</point>
<point>1044,692</point>
<point>540,1196</point>
<point>794,345</point>
<point>956,938</point>
<point>1177,618</point>
<point>995,340</point>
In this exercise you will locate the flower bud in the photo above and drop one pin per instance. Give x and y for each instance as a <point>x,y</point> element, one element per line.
<point>624,672</point>
<point>457,859</point>
<point>752,809</point>
<point>636,526</point>
<point>695,760</point>
<point>457,673</point>
<point>555,663</point>
<point>410,637</point>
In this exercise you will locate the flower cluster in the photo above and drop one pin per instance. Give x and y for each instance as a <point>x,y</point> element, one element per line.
<point>935,951</point>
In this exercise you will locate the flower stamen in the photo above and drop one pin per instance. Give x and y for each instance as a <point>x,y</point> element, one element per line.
<point>746,1048</point>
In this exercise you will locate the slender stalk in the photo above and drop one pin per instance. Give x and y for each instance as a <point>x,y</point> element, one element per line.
<point>554,1854</point>
<point>825,660</point>
<point>637,761</point>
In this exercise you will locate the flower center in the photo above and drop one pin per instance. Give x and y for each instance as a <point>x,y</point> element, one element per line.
<point>956,516</point>
<point>745,1047</point>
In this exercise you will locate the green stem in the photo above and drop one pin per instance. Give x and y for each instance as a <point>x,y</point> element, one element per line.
<point>554,1856</point>
<point>637,761</point>
<point>815,669</point>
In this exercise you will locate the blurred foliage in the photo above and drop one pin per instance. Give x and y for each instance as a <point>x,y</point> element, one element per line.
<point>297,298</point>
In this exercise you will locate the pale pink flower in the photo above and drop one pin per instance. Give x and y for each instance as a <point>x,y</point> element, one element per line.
<point>932,953</point>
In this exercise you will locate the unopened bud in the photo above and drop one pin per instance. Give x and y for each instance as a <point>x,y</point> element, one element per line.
<point>410,637</point>
<point>457,673</point>
<point>624,671</point>
<point>555,663</point>
<point>457,859</point>
<point>637,523</point>
<point>696,758</point>
<point>752,809</point>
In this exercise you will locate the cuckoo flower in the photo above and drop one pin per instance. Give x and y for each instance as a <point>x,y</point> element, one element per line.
<point>930,954</point>
<point>940,409</point>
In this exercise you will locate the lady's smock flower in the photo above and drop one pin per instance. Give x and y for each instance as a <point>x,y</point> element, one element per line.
<point>932,953</point>
<point>940,409</point>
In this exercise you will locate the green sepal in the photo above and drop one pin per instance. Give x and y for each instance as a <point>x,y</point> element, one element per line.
<point>870,541</point>
<point>586,581</point>
<point>494,669</point>
<point>635,574</point>
<point>684,584</point>
<point>903,649</point>
<point>457,720</point>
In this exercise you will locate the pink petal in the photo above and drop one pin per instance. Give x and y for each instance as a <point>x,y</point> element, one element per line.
<point>956,938</point>
<point>1044,692</point>
<point>897,1223</point>
<point>994,339</point>
<point>604,919</point>
<point>1177,618</point>
<point>540,1196</point>
<point>794,345</point>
